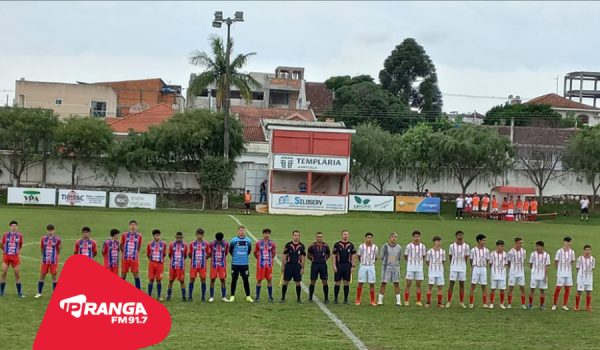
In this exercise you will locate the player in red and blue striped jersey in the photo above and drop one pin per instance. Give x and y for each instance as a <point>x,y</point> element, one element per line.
<point>110,251</point>
<point>218,265</point>
<point>198,252</point>
<point>156,251</point>
<point>86,246</point>
<point>50,248</point>
<point>177,254</point>
<point>265,253</point>
<point>12,242</point>
<point>131,243</point>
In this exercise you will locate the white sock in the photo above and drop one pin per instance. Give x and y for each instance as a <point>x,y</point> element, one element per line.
<point>397,298</point>
<point>380,299</point>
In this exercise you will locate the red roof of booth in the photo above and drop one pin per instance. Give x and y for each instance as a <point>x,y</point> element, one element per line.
<point>514,190</point>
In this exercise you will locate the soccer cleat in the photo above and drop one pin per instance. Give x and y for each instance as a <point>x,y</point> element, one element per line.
<point>471,306</point>
<point>553,308</point>
<point>448,305</point>
<point>346,302</point>
<point>257,300</point>
<point>565,307</point>
<point>336,301</point>
<point>418,303</point>
<point>463,305</point>
<point>491,306</point>
<point>485,306</point>
<point>530,307</point>
<point>326,301</point>
<point>357,303</point>
<point>161,299</point>
<point>225,300</point>
<point>211,299</point>
<point>249,299</point>
<point>373,304</point>
<point>380,303</point>
<point>168,298</point>
<point>588,309</point>
<point>232,299</point>
<point>523,307</point>
<point>282,301</point>
<point>509,306</point>
<point>542,307</point>
<point>271,300</point>
<point>428,305</point>
<point>440,306</point>
<point>21,295</point>
<point>502,307</point>
<point>406,303</point>
<point>299,301</point>
<point>576,309</point>
<point>37,296</point>
<point>398,304</point>
<point>202,300</point>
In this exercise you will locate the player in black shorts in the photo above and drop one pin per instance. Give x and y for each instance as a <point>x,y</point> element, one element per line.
<point>318,254</point>
<point>343,265</point>
<point>293,265</point>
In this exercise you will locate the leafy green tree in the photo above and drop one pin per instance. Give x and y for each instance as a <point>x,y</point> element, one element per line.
<point>82,141</point>
<point>419,158</point>
<point>25,134</point>
<point>523,115</point>
<point>215,72</point>
<point>339,81</point>
<point>214,176</point>
<point>408,64</point>
<point>582,156</point>
<point>470,152</point>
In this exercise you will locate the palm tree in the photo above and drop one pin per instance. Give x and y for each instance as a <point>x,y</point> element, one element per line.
<point>215,72</point>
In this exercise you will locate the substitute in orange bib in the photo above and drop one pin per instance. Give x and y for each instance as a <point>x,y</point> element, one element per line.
<point>485,203</point>
<point>476,201</point>
<point>526,209</point>
<point>247,201</point>
<point>533,206</point>
<point>519,208</point>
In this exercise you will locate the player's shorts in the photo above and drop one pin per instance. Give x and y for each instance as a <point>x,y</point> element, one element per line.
<point>49,268</point>
<point>264,273</point>
<point>564,281</point>
<point>366,274</point>
<point>479,275</point>
<point>292,272</point>
<point>415,275</point>
<point>484,208</point>
<point>438,281</point>
<point>176,274</point>
<point>516,281</point>
<point>344,271</point>
<point>130,265</point>
<point>392,276</point>
<point>114,269</point>
<point>155,270</point>
<point>498,284</point>
<point>11,260</point>
<point>475,208</point>
<point>510,211</point>
<point>541,284</point>
<point>247,205</point>
<point>218,272</point>
<point>195,271</point>
<point>494,210</point>
<point>458,276</point>
<point>318,271</point>
<point>534,212</point>
<point>584,210</point>
<point>585,287</point>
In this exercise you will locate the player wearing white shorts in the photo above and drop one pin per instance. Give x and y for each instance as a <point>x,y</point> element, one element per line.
<point>516,271</point>
<point>480,256</point>
<point>414,253</point>
<point>563,261</point>
<point>435,258</point>
<point>459,254</point>
<point>585,277</point>
<point>367,255</point>
<point>390,254</point>
<point>539,262</point>
<point>498,262</point>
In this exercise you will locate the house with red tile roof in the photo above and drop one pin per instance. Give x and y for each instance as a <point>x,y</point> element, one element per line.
<point>588,114</point>
<point>141,121</point>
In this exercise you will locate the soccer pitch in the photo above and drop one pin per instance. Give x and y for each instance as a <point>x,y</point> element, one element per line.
<point>280,326</point>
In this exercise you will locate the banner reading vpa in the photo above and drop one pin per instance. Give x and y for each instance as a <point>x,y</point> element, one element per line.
<point>371,203</point>
<point>35,196</point>
<point>132,200</point>
<point>80,198</point>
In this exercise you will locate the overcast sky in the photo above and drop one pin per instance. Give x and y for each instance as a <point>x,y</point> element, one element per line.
<point>490,49</point>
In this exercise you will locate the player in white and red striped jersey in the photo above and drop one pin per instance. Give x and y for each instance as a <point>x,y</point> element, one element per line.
<point>516,271</point>
<point>459,254</point>
<point>435,259</point>
<point>539,262</point>
<point>563,261</point>
<point>480,256</point>
<point>585,277</point>
<point>414,254</point>
<point>498,261</point>
<point>367,254</point>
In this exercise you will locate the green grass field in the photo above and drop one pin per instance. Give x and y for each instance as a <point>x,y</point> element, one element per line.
<point>276,326</point>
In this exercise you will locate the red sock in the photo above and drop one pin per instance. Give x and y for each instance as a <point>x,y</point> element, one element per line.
<point>501,297</point>
<point>566,296</point>
<point>530,299</point>
<point>372,293</point>
<point>462,297</point>
<point>484,298</point>
<point>449,296</point>
<point>358,293</point>
<point>471,298</point>
<point>509,299</point>
<point>588,301</point>
<point>428,297</point>
<point>419,295</point>
<point>439,297</point>
<point>523,299</point>
<point>556,293</point>
<point>577,301</point>
<point>542,299</point>
<point>492,297</point>
<point>406,295</point>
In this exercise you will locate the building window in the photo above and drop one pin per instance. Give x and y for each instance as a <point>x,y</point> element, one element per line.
<point>235,94</point>
<point>204,93</point>
<point>279,97</point>
<point>98,109</point>
<point>58,101</point>
<point>258,95</point>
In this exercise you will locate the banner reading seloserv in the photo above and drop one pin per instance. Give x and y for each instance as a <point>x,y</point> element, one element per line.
<point>418,204</point>
<point>80,198</point>
<point>371,203</point>
<point>308,202</point>
<point>35,196</point>
<point>132,200</point>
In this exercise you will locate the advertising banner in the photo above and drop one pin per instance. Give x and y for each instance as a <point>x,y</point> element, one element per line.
<point>418,204</point>
<point>308,202</point>
<point>371,203</point>
<point>35,196</point>
<point>326,164</point>
<point>132,200</point>
<point>80,198</point>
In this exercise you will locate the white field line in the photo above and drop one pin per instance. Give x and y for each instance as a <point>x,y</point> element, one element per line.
<point>341,325</point>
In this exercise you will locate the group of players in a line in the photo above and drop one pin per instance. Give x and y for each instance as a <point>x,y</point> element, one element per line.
<point>125,248</point>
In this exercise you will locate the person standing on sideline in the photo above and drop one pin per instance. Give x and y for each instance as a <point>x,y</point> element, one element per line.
<point>585,204</point>
<point>263,192</point>
<point>247,202</point>
<point>343,265</point>
<point>240,248</point>
<point>294,254</point>
<point>485,203</point>
<point>476,201</point>
<point>391,254</point>
<point>318,254</point>
<point>367,255</point>
<point>265,253</point>
<point>460,204</point>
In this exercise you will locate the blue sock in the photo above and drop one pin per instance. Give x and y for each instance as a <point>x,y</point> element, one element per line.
<point>257,292</point>
<point>183,293</point>
<point>40,286</point>
<point>19,288</point>
<point>138,283</point>
<point>169,291</point>
<point>191,289</point>
<point>223,292</point>
<point>150,286</point>
<point>212,292</point>
<point>270,289</point>
<point>2,285</point>
<point>53,286</point>
<point>203,290</point>
<point>158,289</point>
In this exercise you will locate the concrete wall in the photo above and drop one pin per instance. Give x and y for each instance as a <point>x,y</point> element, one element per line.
<point>76,98</point>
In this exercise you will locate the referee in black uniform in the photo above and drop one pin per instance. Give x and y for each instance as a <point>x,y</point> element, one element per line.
<point>318,254</point>
<point>293,265</point>
<point>343,265</point>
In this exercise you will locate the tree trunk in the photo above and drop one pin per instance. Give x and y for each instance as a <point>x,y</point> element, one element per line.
<point>541,194</point>
<point>44,169</point>
<point>73,170</point>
